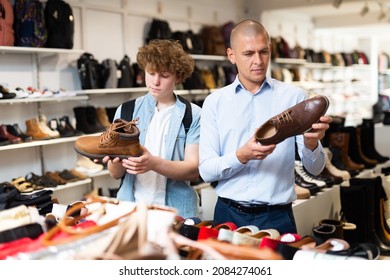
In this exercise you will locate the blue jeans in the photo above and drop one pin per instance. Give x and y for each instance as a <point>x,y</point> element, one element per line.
<point>280,219</point>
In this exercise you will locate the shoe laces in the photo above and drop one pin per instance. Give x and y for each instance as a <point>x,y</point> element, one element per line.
<point>111,134</point>
<point>284,117</point>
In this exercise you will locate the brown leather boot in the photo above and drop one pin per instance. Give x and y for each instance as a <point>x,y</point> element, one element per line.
<point>340,140</point>
<point>34,130</point>
<point>120,140</point>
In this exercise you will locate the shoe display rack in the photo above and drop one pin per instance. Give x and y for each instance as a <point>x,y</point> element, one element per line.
<point>40,156</point>
<point>351,89</point>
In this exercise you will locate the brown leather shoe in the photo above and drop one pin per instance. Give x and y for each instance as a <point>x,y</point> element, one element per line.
<point>120,140</point>
<point>294,121</point>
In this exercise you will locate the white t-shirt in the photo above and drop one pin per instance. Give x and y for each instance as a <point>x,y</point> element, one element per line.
<point>149,187</point>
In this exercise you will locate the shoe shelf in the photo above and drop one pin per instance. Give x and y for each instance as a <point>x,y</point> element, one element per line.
<point>352,89</point>
<point>209,57</point>
<point>111,91</point>
<point>30,50</point>
<point>290,61</point>
<point>71,185</point>
<point>43,99</point>
<point>104,172</point>
<point>38,143</point>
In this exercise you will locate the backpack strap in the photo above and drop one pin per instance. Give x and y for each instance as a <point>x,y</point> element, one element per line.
<point>128,110</point>
<point>187,120</point>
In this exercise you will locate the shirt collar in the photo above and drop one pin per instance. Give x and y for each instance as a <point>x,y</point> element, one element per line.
<point>267,84</point>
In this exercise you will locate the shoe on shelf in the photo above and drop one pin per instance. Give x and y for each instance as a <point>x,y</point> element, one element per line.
<point>6,134</point>
<point>301,192</point>
<point>313,188</point>
<point>87,166</point>
<point>344,174</point>
<point>4,141</point>
<point>307,176</point>
<point>65,122</point>
<point>34,130</point>
<point>14,129</point>
<point>53,133</point>
<point>294,121</point>
<point>121,140</point>
<point>5,93</point>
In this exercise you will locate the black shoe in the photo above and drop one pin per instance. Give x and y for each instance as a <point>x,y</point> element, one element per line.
<point>313,188</point>
<point>16,131</point>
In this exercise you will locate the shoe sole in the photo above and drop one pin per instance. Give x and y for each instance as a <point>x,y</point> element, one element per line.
<point>101,156</point>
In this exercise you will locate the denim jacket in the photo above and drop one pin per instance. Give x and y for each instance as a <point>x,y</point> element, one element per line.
<point>179,194</point>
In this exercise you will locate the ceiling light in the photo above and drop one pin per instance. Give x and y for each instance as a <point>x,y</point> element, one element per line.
<point>364,10</point>
<point>336,3</point>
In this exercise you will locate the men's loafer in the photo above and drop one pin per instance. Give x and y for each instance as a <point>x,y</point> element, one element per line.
<point>294,121</point>
<point>121,140</point>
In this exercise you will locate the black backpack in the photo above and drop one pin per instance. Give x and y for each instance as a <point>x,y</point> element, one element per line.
<point>60,24</point>
<point>127,78</point>
<point>89,71</point>
<point>29,24</point>
<point>128,109</point>
<point>159,29</point>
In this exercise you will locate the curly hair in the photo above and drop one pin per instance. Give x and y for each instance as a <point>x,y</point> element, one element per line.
<point>166,56</point>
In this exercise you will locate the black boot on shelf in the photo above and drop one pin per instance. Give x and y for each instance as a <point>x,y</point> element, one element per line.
<point>93,119</point>
<point>15,130</point>
<point>65,122</point>
<point>85,123</point>
<point>370,218</point>
<point>367,137</point>
<point>336,125</point>
<point>353,149</point>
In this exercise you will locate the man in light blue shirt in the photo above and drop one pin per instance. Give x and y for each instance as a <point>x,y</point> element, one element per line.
<point>255,182</point>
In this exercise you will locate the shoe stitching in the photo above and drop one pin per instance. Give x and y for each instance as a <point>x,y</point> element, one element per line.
<point>110,136</point>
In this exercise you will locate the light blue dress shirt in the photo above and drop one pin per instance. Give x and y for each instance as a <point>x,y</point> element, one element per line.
<point>179,194</point>
<point>230,117</point>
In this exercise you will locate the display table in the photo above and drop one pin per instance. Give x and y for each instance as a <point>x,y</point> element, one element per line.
<point>307,212</point>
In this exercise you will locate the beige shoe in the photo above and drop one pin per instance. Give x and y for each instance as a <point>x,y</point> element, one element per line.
<point>333,169</point>
<point>43,125</point>
<point>301,192</point>
<point>35,131</point>
<point>87,166</point>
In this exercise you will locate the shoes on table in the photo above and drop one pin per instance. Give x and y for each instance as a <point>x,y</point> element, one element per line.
<point>294,121</point>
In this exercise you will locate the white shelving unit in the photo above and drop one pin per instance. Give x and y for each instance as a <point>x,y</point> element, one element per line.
<point>349,88</point>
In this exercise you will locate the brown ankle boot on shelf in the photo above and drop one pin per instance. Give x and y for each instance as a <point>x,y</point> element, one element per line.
<point>34,130</point>
<point>102,117</point>
<point>120,140</point>
<point>340,141</point>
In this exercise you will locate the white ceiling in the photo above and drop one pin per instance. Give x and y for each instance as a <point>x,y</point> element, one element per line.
<point>346,18</point>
